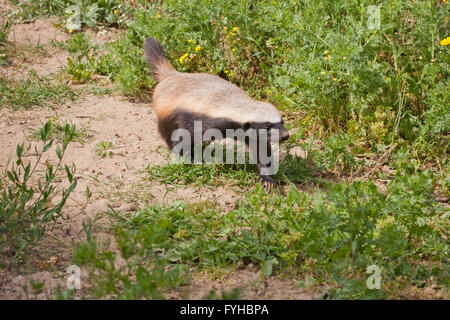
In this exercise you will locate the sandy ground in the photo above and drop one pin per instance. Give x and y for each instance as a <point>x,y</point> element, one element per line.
<point>131,127</point>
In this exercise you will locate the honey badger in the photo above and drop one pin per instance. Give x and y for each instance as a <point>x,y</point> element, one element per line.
<point>179,99</point>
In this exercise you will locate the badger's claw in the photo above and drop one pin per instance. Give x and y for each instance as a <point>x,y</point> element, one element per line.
<point>267,182</point>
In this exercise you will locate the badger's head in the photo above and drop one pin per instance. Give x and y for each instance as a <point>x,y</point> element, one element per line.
<point>266,116</point>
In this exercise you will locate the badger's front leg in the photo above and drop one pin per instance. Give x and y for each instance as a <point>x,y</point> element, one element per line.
<point>265,164</point>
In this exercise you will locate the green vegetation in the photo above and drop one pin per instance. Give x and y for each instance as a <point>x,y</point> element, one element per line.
<point>203,174</point>
<point>3,40</point>
<point>331,237</point>
<point>144,274</point>
<point>103,149</point>
<point>74,13</point>
<point>34,91</point>
<point>292,169</point>
<point>26,212</point>
<point>82,64</point>
<point>178,172</point>
<point>57,131</point>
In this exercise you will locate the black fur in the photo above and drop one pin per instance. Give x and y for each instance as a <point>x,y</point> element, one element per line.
<point>155,55</point>
<point>183,119</point>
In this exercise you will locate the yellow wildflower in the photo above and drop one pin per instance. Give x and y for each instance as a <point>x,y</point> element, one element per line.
<point>235,29</point>
<point>445,42</point>
<point>387,79</point>
<point>232,33</point>
<point>326,52</point>
<point>335,79</point>
<point>184,56</point>
<point>70,30</point>
<point>444,1</point>
<point>225,28</point>
<point>158,16</point>
<point>234,49</point>
<point>322,72</point>
<point>116,12</point>
<point>198,48</point>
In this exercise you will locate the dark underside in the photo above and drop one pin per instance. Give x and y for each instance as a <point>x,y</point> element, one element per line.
<point>185,120</point>
<point>182,119</point>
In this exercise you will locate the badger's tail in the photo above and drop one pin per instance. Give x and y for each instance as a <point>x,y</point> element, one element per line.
<point>161,67</point>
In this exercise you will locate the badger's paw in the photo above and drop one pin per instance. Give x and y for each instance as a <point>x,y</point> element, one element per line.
<point>268,182</point>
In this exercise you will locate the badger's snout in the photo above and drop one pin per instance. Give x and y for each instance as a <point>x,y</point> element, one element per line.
<point>283,134</point>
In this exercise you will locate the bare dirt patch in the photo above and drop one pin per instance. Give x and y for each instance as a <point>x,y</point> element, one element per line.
<point>37,32</point>
<point>29,48</point>
<point>251,284</point>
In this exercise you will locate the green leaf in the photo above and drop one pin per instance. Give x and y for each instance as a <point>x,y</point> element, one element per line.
<point>19,150</point>
<point>27,172</point>
<point>354,246</point>
<point>11,176</point>
<point>58,152</point>
<point>45,131</point>
<point>69,174</point>
<point>267,266</point>
<point>47,146</point>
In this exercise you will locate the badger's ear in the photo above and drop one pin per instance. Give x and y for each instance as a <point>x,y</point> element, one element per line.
<point>246,126</point>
